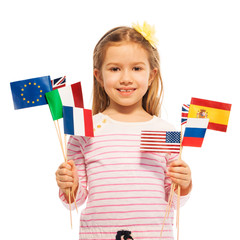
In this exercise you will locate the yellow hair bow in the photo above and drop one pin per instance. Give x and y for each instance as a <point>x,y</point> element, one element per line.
<point>147,31</point>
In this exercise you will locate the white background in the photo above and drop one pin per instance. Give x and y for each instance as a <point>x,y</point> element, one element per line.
<point>199,46</point>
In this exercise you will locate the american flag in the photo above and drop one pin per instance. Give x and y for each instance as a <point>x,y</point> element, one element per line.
<point>58,82</point>
<point>160,141</point>
<point>185,110</point>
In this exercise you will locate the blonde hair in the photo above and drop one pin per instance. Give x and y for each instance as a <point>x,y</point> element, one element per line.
<point>153,98</point>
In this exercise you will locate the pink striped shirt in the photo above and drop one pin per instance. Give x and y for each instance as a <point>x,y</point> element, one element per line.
<point>125,189</point>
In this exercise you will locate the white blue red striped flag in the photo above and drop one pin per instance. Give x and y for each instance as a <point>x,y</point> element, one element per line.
<point>160,141</point>
<point>195,131</point>
<point>58,82</point>
<point>185,110</point>
<point>77,121</point>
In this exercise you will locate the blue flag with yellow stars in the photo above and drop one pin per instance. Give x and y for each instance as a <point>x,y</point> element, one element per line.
<point>30,92</point>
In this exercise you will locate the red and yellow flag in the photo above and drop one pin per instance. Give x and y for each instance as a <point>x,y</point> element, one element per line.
<point>217,113</point>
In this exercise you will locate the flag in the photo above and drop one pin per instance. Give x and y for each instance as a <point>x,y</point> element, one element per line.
<point>67,96</point>
<point>185,109</point>
<point>77,121</point>
<point>58,82</point>
<point>160,141</point>
<point>194,132</point>
<point>217,112</point>
<point>30,92</point>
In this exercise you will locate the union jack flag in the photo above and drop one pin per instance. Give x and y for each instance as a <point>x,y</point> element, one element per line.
<point>58,82</point>
<point>185,110</point>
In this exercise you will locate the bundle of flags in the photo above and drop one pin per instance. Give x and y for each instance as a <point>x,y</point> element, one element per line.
<point>42,90</point>
<point>198,116</point>
<point>201,115</point>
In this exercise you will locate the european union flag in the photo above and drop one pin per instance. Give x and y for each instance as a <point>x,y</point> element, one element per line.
<point>30,92</point>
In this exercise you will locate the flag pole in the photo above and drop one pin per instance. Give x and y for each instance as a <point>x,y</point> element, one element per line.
<point>168,207</point>
<point>70,189</point>
<point>179,188</point>
<point>56,123</point>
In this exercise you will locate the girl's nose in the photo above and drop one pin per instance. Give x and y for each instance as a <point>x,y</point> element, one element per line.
<point>126,78</point>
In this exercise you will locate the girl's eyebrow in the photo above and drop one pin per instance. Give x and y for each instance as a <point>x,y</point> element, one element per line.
<point>134,63</point>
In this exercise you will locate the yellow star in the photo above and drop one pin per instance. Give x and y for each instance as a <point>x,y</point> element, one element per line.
<point>33,102</point>
<point>24,99</point>
<point>21,94</point>
<point>27,101</point>
<point>34,83</point>
<point>38,86</point>
<point>37,100</point>
<point>29,83</point>
<point>22,89</point>
<point>25,85</point>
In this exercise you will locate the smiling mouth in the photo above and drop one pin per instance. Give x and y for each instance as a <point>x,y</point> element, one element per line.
<point>126,90</point>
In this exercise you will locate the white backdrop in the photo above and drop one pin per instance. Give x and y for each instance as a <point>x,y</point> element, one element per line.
<point>200,57</point>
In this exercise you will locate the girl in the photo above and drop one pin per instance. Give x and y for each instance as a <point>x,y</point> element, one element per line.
<point>127,189</point>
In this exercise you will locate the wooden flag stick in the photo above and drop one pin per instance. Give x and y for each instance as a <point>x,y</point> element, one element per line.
<point>168,207</point>
<point>70,189</point>
<point>69,199</point>
<point>56,123</point>
<point>178,211</point>
<point>179,190</point>
<point>59,138</point>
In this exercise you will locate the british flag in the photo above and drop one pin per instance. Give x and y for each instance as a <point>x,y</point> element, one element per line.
<point>185,110</point>
<point>58,82</point>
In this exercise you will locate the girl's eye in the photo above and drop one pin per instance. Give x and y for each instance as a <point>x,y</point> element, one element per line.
<point>137,68</point>
<point>114,69</point>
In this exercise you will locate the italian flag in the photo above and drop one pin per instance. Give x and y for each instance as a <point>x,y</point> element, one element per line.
<point>67,96</point>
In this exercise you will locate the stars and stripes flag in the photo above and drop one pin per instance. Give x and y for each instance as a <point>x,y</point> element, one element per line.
<point>185,110</point>
<point>160,141</point>
<point>58,82</point>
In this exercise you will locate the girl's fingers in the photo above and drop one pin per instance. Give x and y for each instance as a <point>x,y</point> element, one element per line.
<point>179,176</point>
<point>178,163</point>
<point>182,183</point>
<point>181,170</point>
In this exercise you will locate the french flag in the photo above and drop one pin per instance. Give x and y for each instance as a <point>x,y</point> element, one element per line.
<point>195,131</point>
<point>77,121</point>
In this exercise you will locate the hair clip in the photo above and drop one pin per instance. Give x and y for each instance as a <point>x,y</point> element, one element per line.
<point>147,31</point>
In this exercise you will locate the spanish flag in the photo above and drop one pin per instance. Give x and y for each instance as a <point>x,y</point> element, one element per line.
<point>217,113</point>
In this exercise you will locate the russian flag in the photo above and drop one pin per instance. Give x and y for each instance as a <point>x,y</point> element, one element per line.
<point>77,121</point>
<point>195,131</point>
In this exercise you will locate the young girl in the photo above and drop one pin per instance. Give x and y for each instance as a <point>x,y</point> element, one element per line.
<point>126,190</point>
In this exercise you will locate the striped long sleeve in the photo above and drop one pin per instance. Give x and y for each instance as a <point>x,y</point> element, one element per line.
<point>125,188</point>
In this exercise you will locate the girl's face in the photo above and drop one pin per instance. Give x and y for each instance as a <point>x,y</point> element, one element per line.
<point>125,75</point>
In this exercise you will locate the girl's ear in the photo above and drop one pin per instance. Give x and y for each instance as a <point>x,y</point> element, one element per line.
<point>152,75</point>
<point>97,74</point>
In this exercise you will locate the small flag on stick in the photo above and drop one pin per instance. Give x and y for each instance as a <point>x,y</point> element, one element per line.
<point>217,112</point>
<point>58,82</point>
<point>185,109</point>
<point>194,132</point>
<point>67,96</point>
<point>30,92</point>
<point>77,121</point>
<point>160,141</point>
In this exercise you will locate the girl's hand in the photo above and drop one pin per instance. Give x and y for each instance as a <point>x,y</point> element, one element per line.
<point>180,174</point>
<point>67,177</point>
